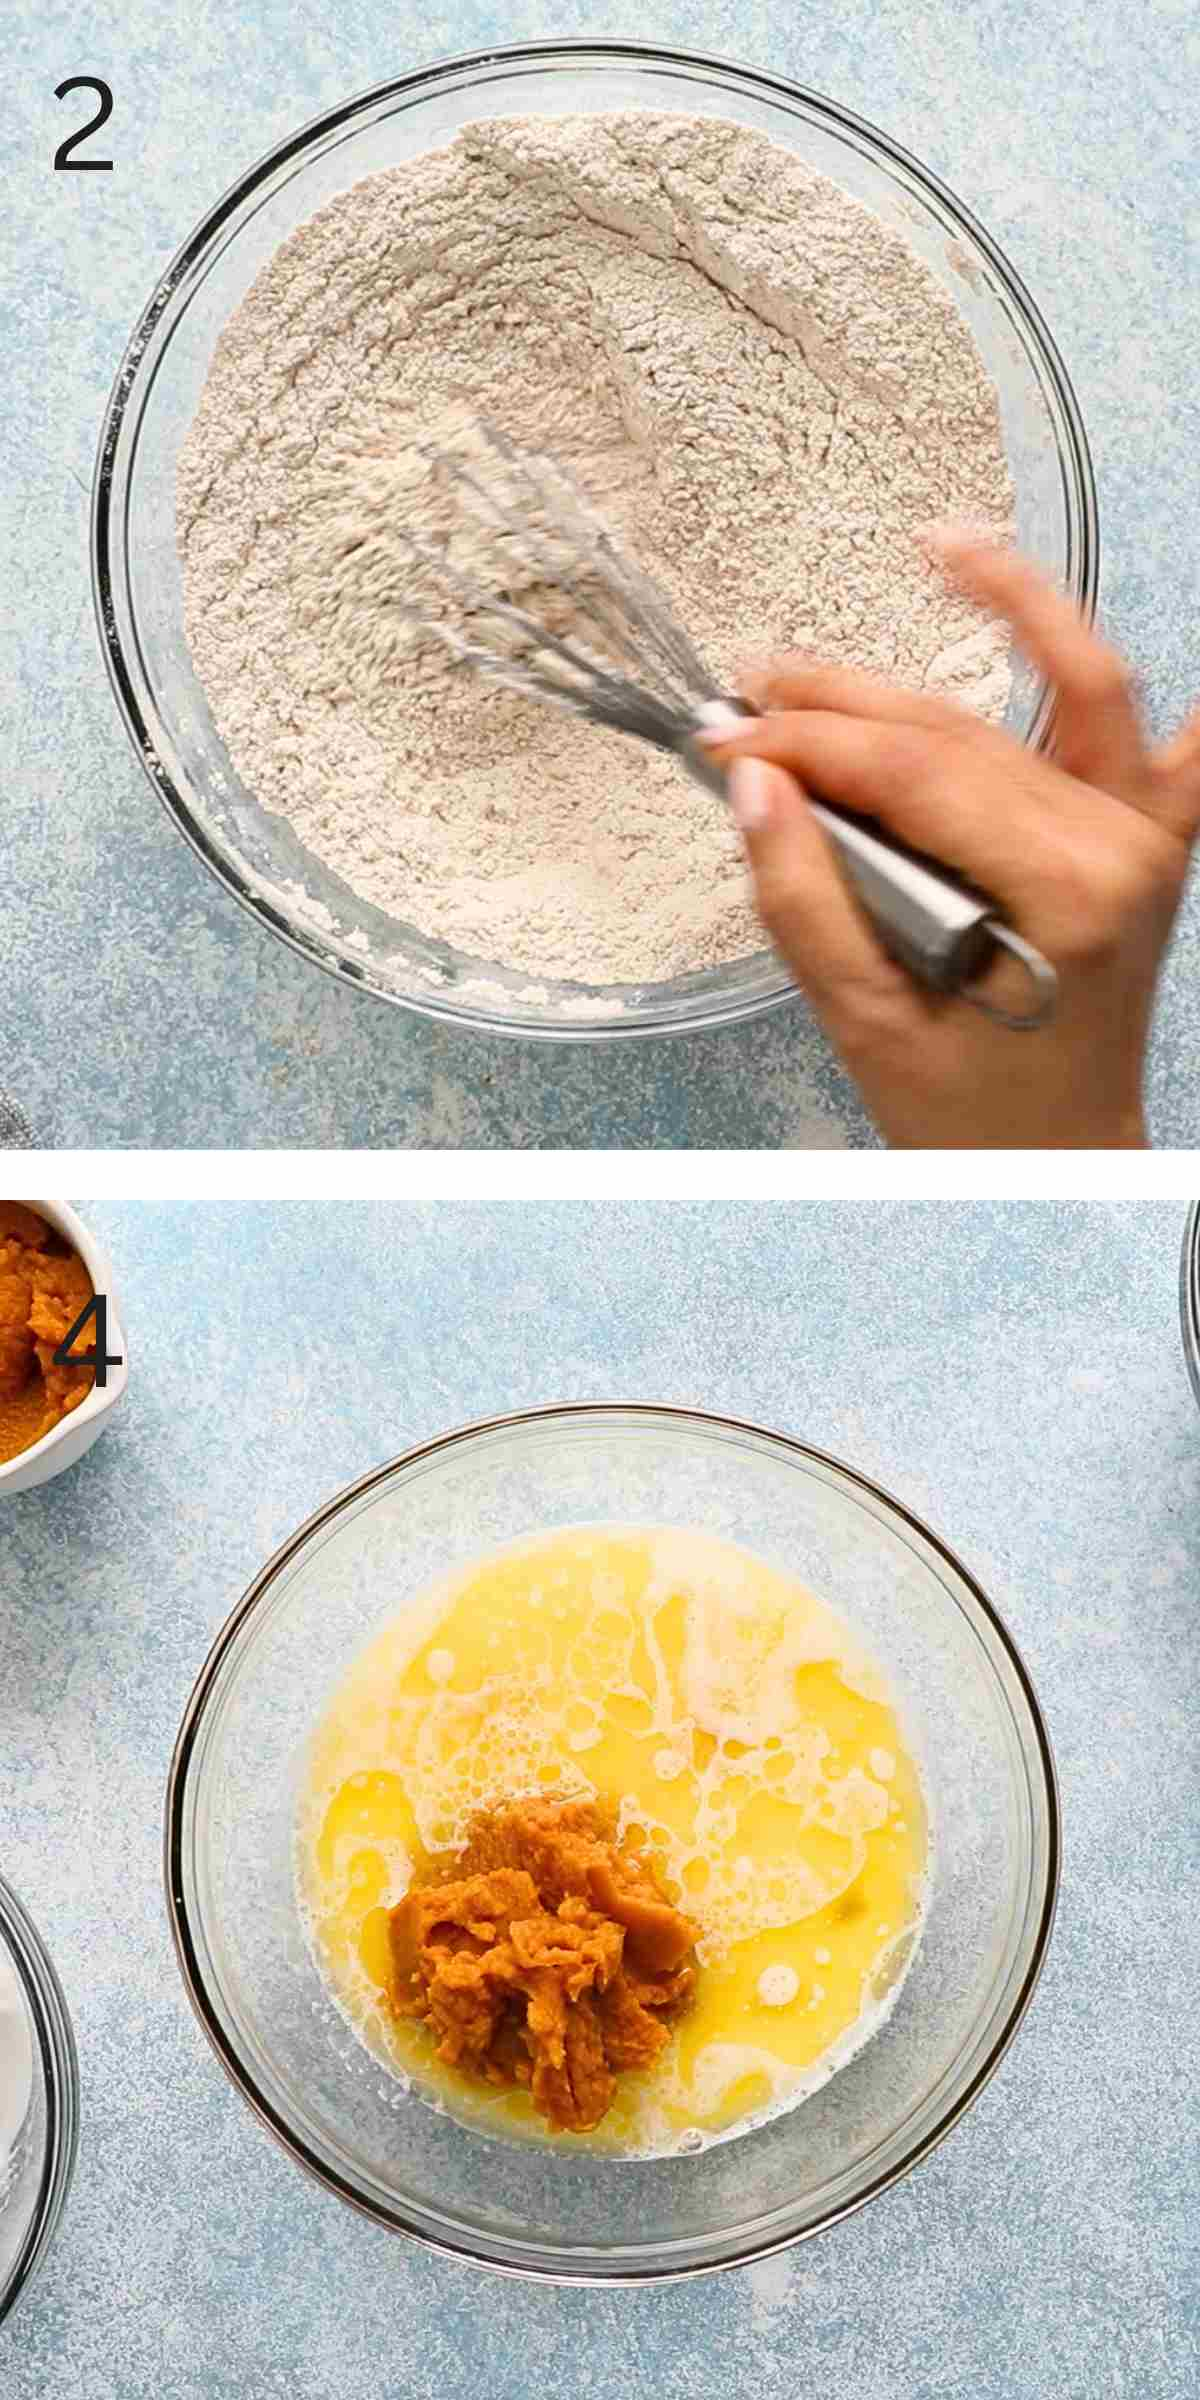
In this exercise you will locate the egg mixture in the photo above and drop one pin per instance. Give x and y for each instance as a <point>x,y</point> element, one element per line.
<point>747,1742</point>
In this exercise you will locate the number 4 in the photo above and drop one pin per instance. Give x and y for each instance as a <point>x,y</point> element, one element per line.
<point>99,1355</point>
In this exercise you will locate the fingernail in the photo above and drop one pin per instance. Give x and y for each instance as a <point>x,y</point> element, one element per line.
<point>715,737</point>
<point>750,794</point>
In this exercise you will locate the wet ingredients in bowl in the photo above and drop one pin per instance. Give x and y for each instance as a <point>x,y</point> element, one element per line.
<point>764,388</point>
<point>707,1741</point>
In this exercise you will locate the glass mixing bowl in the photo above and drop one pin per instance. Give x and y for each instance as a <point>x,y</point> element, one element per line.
<point>1189,1294</point>
<point>522,2207</point>
<point>136,572</point>
<point>35,2178</point>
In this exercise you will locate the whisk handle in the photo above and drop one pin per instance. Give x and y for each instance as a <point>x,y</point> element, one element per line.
<point>940,928</point>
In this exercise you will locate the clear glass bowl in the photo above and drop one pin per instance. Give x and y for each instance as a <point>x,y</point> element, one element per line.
<point>1189,1295</point>
<point>35,2180</point>
<point>522,2208</point>
<point>136,573</point>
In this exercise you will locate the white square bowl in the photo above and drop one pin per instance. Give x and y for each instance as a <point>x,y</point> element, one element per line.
<point>64,1445</point>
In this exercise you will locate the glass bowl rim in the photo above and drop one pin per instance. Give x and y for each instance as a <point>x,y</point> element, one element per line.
<point>207,1685</point>
<point>59,2064</point>
<point>1189,1294</point>
<point>128,385</point>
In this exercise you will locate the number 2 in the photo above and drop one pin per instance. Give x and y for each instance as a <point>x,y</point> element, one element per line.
<point>62,156</point>
<point>101,1357</point>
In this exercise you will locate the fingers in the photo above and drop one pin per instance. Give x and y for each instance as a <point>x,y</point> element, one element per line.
<point>1098,734</point>
<point>791,683</point>
<point>940,794</point>
<point>1176,772</point>
<point>803,900</point>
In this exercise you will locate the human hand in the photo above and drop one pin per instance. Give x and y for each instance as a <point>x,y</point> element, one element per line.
<point>1086,854</point>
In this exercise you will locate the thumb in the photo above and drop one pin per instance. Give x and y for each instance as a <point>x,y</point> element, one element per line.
<point>804,901</point>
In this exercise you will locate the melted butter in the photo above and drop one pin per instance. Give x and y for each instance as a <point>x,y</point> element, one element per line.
<point>737,1725</point>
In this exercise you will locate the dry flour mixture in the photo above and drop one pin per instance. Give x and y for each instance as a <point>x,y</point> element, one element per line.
<point>766,391</point>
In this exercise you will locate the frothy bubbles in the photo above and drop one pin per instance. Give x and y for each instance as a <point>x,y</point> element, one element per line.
<point>777,1986</point>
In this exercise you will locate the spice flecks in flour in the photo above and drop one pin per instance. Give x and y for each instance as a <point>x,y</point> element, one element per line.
<point>764,389</point>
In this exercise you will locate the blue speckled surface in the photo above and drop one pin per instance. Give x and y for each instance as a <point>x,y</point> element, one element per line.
<point>1015,1373</point>
<point>179,1022</point>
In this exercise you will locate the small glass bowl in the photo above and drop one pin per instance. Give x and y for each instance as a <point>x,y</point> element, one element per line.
<point>524,2208</point>
<point>136,573</point>
<point>1189,1295</point>
<point>35,2181</point>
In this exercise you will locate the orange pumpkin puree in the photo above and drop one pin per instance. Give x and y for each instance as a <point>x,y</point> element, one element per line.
<point>43,1286</point>
<point>543,1954</point>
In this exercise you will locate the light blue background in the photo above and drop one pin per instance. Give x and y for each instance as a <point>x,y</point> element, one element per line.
<point>1015,1373</point>
<point>142,1009</point>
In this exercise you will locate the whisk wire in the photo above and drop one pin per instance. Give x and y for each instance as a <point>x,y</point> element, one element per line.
<point>578,557</point>
<point>492,604</point>
<point>575,556</point>
<point>593,692</point>
<point>621,595</point>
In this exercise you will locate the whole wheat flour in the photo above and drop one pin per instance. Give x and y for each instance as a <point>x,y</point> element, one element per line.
<point>765,390</point>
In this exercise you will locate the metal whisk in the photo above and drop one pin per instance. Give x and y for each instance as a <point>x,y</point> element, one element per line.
<point>625,663</point>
